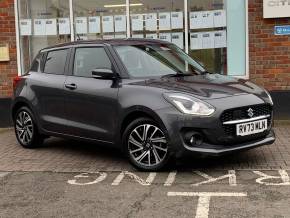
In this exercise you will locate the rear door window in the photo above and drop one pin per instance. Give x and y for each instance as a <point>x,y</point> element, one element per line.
<point>55,62</point>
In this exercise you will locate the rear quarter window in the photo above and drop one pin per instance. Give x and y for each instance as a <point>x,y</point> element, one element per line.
<point>35,65</point>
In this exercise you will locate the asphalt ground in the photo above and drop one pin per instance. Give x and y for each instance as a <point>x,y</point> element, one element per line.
<point>48,194</point>
<point>65,178</point>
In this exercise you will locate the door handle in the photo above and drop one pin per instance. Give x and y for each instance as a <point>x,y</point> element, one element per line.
<point>71,86</point>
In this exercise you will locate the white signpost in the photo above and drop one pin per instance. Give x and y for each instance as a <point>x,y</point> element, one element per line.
<point>94,24</point>
<point>108,24</point>
<point>120,23</point>
<point>137,22</point>
<point>25,27</point>
<point>176,20</point>
<point>50,27</point>
<point>165,37</point>
<point>164,21</point>
<point>276,8</point>
<point>81,25</point>
<point>151,22</point>
<point>177,39</point>
<point>63,26</point>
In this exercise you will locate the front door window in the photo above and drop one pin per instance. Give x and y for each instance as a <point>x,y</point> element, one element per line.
<point>88,59</point>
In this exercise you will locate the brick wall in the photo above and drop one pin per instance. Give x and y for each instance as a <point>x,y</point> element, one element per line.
<point>269,54</point>
<point>8,69</point>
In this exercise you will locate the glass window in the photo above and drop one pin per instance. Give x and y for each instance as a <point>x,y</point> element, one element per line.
<point>217,35</point>
<point>41,23</point>
<point>216,28</point>
<point>36,64</point>
<point>55,62</point>
<point>88,59</point>
<point>157,60</point>
<point>208,33</point>
<point>162,19</point>
<point>100,19</point>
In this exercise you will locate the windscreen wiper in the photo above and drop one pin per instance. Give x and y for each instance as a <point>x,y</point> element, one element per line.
<point>178,74</point>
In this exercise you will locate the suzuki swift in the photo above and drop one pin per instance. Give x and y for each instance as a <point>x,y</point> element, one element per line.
<point>147,97</point>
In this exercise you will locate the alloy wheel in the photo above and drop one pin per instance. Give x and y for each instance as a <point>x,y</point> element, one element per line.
<point>24,127</point>
<point>147,145</point>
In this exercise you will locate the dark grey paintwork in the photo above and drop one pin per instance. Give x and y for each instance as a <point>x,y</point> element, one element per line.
<point>100,109</point>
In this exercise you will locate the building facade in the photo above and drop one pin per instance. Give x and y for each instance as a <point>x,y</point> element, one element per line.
<point>243,38</point>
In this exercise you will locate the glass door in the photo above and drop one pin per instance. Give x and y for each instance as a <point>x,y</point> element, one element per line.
<point>216,29</point>
<point>41,23</point>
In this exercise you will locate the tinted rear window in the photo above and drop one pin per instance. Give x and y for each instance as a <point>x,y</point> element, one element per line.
<point>55,62</point>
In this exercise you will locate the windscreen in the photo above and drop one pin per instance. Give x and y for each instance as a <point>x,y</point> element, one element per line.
<point>157,60</point>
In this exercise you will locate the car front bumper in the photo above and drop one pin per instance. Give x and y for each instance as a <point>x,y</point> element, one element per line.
<point>215,142</point>
<point>217,150</point>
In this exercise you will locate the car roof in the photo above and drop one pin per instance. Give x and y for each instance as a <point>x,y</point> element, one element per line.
<point>129,41</point>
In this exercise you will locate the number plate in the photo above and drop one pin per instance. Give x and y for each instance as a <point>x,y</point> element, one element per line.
<point>252,127</point>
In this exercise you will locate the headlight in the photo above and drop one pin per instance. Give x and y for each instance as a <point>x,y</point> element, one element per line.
<point>189,105</point>
<point>269,96</point>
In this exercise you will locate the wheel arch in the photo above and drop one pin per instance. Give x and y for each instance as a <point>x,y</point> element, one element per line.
<point>139,112</point>
<point>146,113</point>
<point>22,102</point>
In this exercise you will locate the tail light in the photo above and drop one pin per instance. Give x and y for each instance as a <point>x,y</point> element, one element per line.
<point>16,80</point>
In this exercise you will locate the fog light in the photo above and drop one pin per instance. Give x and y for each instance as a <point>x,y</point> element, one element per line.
<point>194,139</point>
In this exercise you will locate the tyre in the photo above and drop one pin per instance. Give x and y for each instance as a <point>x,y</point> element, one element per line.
<point>146,145</point>
<point>26,130</point>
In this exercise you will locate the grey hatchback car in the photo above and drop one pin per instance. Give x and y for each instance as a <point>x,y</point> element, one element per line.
<point>147,97</point>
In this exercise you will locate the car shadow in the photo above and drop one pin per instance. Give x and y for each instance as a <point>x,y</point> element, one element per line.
<point>112,155</point>
<point>83,149</point>
<point>211,163</point>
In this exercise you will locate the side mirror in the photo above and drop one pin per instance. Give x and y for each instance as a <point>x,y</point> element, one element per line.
<point>103,74</point>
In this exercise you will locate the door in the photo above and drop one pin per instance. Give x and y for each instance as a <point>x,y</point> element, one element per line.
<point>48,93</point>
<point>91,104</point>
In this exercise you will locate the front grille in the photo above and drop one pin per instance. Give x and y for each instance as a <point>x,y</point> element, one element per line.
<point>242,113</point>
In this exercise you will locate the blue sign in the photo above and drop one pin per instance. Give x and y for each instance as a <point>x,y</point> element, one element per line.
<point>282,30</point>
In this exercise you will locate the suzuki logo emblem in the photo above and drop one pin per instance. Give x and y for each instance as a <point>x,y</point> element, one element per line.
<point>250,112</point>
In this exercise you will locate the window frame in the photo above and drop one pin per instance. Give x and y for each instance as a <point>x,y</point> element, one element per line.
<point>44,59</point>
